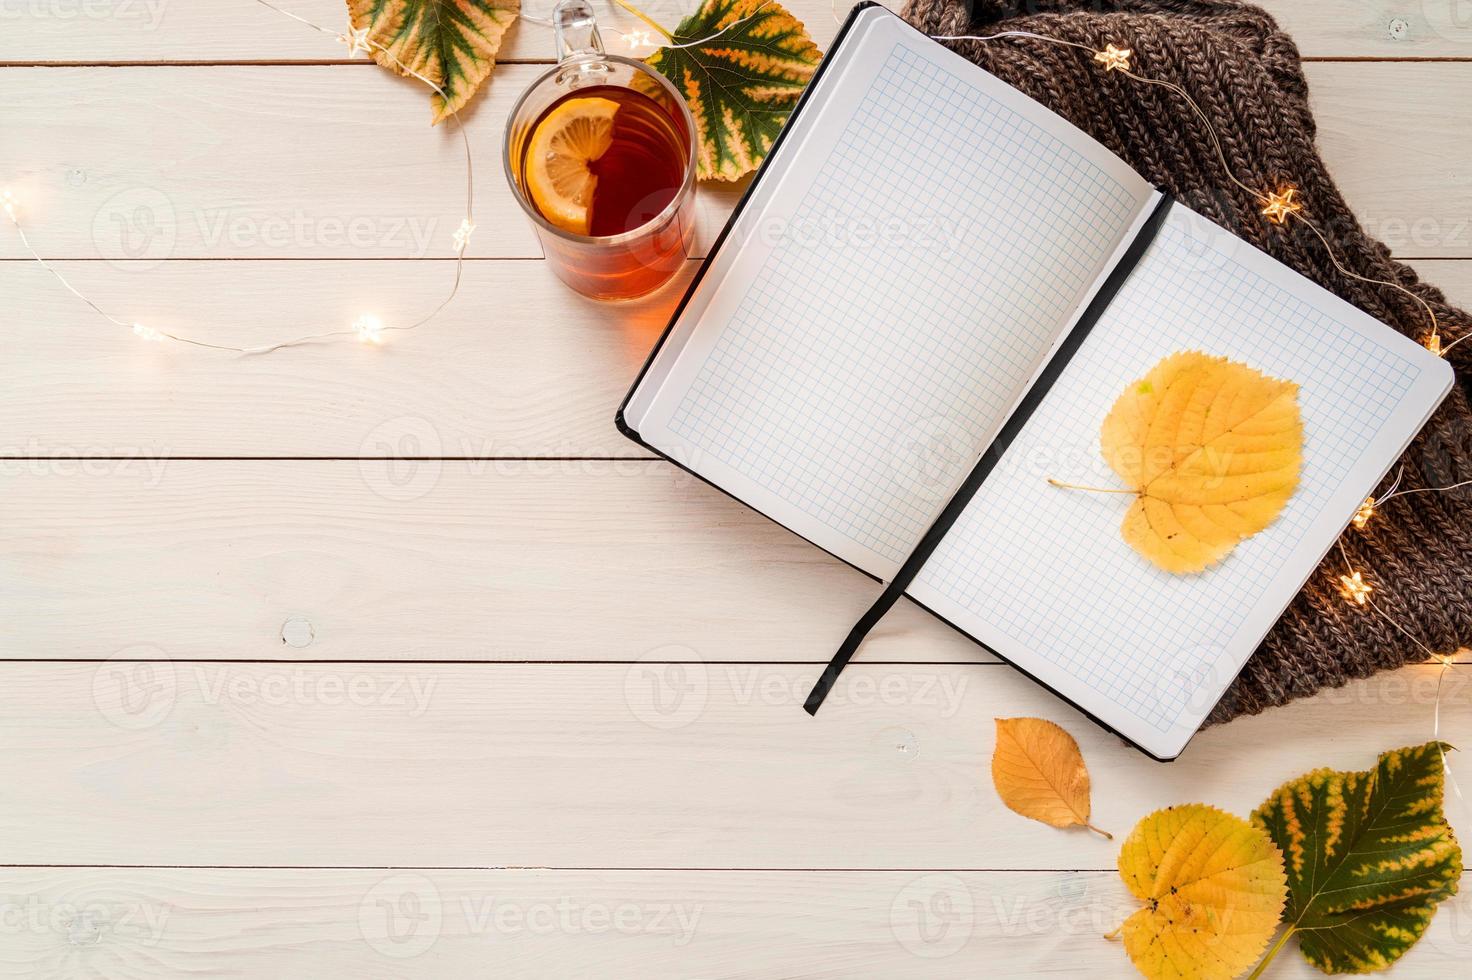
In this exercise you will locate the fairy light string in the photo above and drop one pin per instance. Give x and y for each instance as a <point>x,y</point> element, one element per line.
<point>1280,206</point>
<point>367,328</point>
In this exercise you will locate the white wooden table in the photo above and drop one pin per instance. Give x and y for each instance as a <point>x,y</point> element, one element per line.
<point>281,702</point>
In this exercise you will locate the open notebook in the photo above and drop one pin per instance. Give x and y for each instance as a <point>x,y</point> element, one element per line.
<point>929,255</point>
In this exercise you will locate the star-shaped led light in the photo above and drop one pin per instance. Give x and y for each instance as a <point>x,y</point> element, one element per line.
<point>1114,58</point>
<point>1281,204</point>
<point>357,41</point>
<point>462,235</point>
<point>369,329</point>
<point>7,204</point>
<point>1433,343</point>
<point>1366,511</point>
<point>638,41</point>
<point>147,333</point>
<point>1355,589</point>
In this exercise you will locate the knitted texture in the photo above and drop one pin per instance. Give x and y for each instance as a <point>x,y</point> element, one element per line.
<point>1245,74</point>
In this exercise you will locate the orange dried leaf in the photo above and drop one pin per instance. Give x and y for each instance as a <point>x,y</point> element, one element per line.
<point>1039,773</point>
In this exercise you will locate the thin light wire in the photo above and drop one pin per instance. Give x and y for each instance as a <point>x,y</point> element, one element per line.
<point>1400,472</point>
<point>706,40</point>
<point>1395,491</point>
<point>1001,34</point>
<point>1402,493</point>
<point>688,44</point>
<point>1329,250</point>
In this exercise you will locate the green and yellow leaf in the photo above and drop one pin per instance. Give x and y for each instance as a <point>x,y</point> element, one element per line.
<point>1369,856</point>
<point>452,43</point>
<point>741,82</point>
<point>1213,890</point>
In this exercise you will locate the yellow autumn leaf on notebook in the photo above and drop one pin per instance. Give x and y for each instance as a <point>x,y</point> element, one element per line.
<point>1213,887</point>
<point>1211,449</point>
<point>1039,773</point>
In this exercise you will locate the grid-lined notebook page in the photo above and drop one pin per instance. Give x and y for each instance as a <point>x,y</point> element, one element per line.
<point>925,235</point>
<point>1042,575</point>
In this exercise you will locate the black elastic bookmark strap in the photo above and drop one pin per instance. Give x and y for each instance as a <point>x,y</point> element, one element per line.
<point>993,455</point>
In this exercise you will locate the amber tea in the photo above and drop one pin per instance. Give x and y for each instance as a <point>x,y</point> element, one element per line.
<point>604,161</point>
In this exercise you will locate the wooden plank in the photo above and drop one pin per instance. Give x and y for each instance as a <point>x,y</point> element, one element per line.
<point>518,365</point>
<point>391,560</point>
<point>1377,28</point>
<point>653,924</point>
<point>1412,190</point>
<point>648,765</point>
<point>157,30</point>
<point>324,162</point>
<point>507,560</point>
<point>155,163</point>
<point>110,31</point>
<point>1453,278</point>
<point>561,363</point>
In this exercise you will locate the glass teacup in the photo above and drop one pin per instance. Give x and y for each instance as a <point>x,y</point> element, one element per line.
<point>600,153</point>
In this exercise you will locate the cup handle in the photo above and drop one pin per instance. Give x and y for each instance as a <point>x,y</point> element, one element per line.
<point>575,29</point>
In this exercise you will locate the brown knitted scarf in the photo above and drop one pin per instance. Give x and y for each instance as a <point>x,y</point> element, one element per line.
<point>1244,72</point>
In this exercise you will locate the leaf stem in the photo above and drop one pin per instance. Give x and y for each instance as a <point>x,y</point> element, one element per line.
<point>1277,947</point>
<point>1080,486</point>
<point>645,18</point>
<point>1102,833</point>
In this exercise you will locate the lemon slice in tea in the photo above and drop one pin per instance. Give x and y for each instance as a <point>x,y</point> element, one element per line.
<point>558,172</point>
